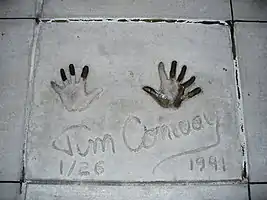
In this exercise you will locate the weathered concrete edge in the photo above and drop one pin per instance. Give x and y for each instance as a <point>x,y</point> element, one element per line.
<point>132,184</point>
<point>240,107</point>
<point>132,20</point>
<point>135,183</point>
<point>29,97</point>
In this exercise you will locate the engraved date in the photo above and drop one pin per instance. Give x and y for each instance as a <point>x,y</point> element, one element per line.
<point>82,168</point>
<point>212,162</point>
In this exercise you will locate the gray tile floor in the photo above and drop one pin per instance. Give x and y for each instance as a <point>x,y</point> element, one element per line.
<point>99,135</point>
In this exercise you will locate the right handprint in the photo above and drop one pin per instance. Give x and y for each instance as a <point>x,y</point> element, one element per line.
<point>172,91</point>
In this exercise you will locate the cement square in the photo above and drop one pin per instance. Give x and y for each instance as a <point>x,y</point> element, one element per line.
<point>15,41</point>
<point>119,132</point>
<point>10,191</point>
<point>252,37</point>
<point>14,8</point>
<point>258,191</point>
<point>83,192</point>
<point>204,9</point>
<point>250,9</point>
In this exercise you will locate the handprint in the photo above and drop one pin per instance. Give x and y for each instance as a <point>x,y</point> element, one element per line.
<point>73,94</point>
<point>172,90</point>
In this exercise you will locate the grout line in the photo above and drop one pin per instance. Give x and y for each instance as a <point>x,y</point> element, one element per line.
<point>258,183</point>
<point>8,18</point>
<point>39,8</point>
<point>29,98</point>
<point>231,26</point>
<point>10,181</point>
<point>138,20</point>
<point>149,20</point>
<point>249,192</point>
<point>25,191</point>
<point>240,108</point>
<point>232,10</point>
<point>133,183</point>
<point>250,21</point>
<point>185,182</point>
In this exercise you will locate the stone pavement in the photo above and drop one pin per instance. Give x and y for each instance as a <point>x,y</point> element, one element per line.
<point>133,99</point>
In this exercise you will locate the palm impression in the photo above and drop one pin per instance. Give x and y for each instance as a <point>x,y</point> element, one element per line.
<point>74,94</point>
<point>172,91</point>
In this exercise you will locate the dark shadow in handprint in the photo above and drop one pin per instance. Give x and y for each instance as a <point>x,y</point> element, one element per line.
<point>172,90</point>
<point>74,94</point>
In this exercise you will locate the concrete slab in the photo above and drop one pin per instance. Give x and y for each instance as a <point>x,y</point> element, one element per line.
<point>252,56</point>
<point>118,131</point>
<point>14,8</point>
<point>250,9</point>
<point>205,9</point>
<point>10,191</point>
<point>258,192</point>
<point>82,192</point>
<point>15,41</point>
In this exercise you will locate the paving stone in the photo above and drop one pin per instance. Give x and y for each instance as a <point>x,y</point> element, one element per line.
<point>141,141</point>
<point>51,192</point>
<point>10,191</point>
<point>15,40</point>
<point>14,8</point>
<point>205,9</point>
<point>252,57</point>
<point>258,192</point>
<point>250,9</point>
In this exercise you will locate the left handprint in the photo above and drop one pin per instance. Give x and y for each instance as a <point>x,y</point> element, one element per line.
<point>73,93</point>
